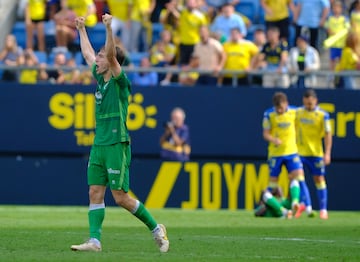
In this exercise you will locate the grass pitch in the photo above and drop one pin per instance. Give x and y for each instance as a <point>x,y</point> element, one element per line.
<point>37,233</point>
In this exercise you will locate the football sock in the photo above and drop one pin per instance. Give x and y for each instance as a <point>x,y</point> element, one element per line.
<point>96,216</point>
<point>321,190</point>
<point>294,191</point>
<point>143,214</point>
<point>304,193</point>
<point>272,202</point>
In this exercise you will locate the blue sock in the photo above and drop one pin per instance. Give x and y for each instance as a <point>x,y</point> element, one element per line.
<point>321,190</point>
<point>304,193</point>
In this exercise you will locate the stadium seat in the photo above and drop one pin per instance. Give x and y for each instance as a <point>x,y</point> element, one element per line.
<point>41,56</point>
<point>248,9</point>
<point>97,35</point>
<point>79,60</point>
<point>19,31</point>
<point>135,57</point>
<point>157,28</point>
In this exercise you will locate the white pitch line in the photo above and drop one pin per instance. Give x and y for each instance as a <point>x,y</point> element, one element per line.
<point>298,239</point>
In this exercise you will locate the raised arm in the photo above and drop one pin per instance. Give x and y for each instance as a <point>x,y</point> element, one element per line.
<point>110,51</point>
<point>86,48</point>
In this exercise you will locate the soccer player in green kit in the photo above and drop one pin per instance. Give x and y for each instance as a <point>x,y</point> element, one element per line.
<point>110,154</point>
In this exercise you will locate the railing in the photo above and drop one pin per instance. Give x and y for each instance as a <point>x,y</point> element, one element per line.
<point>323,76</point>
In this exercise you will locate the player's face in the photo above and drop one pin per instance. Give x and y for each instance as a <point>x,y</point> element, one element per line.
<point>102,65</point>
<point>309,103</point>
<point>281,109</point>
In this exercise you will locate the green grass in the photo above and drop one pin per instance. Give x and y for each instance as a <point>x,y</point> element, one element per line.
<point>36,233</point>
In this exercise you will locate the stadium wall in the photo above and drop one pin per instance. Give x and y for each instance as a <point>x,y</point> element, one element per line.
<point>47,132</point>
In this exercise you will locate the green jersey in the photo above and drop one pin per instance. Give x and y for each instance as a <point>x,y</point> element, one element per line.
<point>111,110</point>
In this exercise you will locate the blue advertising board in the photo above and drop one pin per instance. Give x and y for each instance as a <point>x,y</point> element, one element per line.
<point>224,122</point>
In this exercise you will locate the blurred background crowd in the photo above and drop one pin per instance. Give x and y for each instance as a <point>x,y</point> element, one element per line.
<point>268,43</point>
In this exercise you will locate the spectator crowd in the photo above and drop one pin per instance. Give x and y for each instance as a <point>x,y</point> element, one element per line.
<point>192,42</point>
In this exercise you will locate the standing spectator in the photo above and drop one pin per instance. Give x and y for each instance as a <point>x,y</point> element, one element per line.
<point>227,20</point>
<point>211,57</point>
<point>239,56</point>
<point>305,59</point>
<point>215,6</point>
<point>336,23</point>
<point>349,61</point>
<point>145,78</point>
<point>12,56</point>
<point>279,131</point>
<point>190,21</point>
<point>65,30</point>
<point>35,16</point>
<point>277,15</point>
<point>83,8</point>
<point>121,11</point>
<point>311,14</point>
<point>355,15</point>
<point>169,18</point>
<point>314,128</point>
<point>273,60</point>
<point>175,141</point>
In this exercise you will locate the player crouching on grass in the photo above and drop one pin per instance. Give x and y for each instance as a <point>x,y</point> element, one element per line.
<point>273,204</point>
<point>110,154</point>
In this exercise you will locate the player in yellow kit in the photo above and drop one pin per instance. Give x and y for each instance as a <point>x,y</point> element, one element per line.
<point>279,130</point>
<point>313,127</point>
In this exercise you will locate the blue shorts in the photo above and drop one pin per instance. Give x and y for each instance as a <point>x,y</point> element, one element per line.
<point>335,53</point>
<point>291,162</point>
<point>315,165</point>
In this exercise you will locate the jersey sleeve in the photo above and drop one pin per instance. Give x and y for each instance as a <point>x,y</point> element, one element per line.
<point>266,121</point>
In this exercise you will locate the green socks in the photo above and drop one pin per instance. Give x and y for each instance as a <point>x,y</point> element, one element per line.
<point>96,216</point>
<point>143,214</point>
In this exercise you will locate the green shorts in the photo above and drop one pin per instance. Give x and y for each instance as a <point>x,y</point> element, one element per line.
<point>109,166</point>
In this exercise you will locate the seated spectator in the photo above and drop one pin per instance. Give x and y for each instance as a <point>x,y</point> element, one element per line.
<point>71,73</point>
<point>239,56</point>
<point>259,38</point>
<point>35,16</point>
<point>225,21</point>
<point>56,75</point>
<point>12,55</point>
<point>303,58</point>
<point>145,78</point>
<point>273,60</point>
<point>211,57</point>
<point>65,30</point>
<point>175,141</point>
<point>29,75</point>
<point>214,6</point>
<point>163,52</point>
<point>189,74</point>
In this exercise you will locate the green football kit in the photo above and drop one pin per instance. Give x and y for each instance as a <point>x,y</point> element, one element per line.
<point>110,154</point>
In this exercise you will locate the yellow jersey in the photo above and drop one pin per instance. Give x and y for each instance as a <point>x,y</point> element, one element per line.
<point>189,26</point>
<point>335,25</point>
<point>239,55</point>
<point>120,8</point>
<point>348,60</point>
<point>311,127</point>
<point>355,21</point>
<point>279,10</point>
<point>283,127</point>
<point>37,9</point>
<point>28,76</point>
<point>80,8</point>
